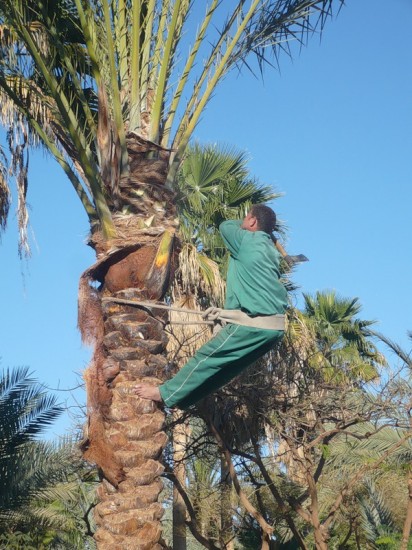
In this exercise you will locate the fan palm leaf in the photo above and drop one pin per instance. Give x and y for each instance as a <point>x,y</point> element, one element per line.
<point>344,347</point>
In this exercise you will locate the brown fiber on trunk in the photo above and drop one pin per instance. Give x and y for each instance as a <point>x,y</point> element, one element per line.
<point>125,436</point>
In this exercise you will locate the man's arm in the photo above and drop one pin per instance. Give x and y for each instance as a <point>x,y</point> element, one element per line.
<point>232,235</point>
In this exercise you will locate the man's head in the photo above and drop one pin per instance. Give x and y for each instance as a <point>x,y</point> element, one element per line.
<point>260,218</point>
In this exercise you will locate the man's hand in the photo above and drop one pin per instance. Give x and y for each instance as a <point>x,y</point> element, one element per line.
<point>289,260</point>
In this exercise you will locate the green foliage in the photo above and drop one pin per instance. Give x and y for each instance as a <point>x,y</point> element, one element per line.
<point>214,185</point>
<point>46,490</point>
<point>93,71</point>
<point>345,349</point>
<point>26,410</point>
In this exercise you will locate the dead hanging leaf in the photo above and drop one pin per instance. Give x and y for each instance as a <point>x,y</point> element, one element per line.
<point>108,142</point>
<point>17,138</point>
<point>199,275</point>
<point>90,315</point>
<point>5,196</point>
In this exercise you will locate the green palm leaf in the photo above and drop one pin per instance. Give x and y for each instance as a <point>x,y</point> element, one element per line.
<point>344,347</point>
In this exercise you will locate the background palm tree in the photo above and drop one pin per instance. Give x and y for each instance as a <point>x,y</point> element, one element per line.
<point>345,349</point>
<point>406,404</point>
<point>46,489</point>
<point>26,410</point>
<point>99,85</point>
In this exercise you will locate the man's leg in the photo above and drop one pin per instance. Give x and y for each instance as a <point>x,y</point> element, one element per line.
<point>217,362</point>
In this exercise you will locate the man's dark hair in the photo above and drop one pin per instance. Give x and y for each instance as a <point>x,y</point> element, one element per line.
<point>265,216</point>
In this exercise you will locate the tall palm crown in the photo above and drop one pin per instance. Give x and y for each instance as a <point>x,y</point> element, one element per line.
<point>104,87</point>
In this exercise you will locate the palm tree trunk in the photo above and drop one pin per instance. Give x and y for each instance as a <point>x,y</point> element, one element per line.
<point>125,436</point>
<point>180,432</point>
<point>408,519</point>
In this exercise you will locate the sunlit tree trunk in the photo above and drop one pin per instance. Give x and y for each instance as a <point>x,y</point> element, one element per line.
<point>125,436</point>
<point>226,487</point>
<point>180,432</point>
<point>408,519</point>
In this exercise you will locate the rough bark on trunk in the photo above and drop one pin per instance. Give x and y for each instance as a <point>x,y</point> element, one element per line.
<point>408,519</point>
<point>180,432</point>
<point>226,487</point>
<point>125,436</point>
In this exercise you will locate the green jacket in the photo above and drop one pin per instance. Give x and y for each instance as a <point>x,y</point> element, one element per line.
<point>253,276</point>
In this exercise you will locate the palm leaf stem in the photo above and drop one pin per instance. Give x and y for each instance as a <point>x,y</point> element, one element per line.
<point>89,33</point>
<point>204,75</point>
<point>135,107</point>
<point>167,58</point>
<point>156,58</point>
<point>186,71</point>
<point>114,83</point>
<point>145,53</point>
<point>218,74</point>
<point>121,40</point>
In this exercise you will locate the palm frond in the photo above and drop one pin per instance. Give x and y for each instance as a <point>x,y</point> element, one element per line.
<point>375,515</point>
<point>50,495</point>
<point>5,196</point>
<point>61,114</point>
<point>396,348</point>
<point>265,29</point>
<point>199,275</point>
<point>343,342</point>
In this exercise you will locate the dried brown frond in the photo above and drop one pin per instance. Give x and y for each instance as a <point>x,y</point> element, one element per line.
<point>131,230</point>
<point>5,197</point>
<point>31,98</point>
<point>96,447</point>
<point>17,138</point>
<point>142,191</point>
<point>90,315</point>
<point>199,275</point>
<point>9,37</point>
<point>108,145</point>
<point>185,340</point>
<point>299,334</point>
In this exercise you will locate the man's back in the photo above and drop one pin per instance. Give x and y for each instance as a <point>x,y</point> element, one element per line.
<point>253,276</point>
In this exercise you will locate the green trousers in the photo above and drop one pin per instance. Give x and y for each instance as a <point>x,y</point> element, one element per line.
<point>226,355</point>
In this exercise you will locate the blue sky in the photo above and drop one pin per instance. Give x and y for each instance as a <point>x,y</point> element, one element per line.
<point>332,131</point>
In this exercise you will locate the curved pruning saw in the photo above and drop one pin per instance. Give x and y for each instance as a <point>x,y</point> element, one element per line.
<point>290,260</point>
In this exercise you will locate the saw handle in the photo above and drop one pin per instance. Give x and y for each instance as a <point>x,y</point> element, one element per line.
<point>283,253</point>
<point>280,249</point>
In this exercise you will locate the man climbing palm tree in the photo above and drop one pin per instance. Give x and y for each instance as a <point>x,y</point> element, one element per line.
<point>255,304</point>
